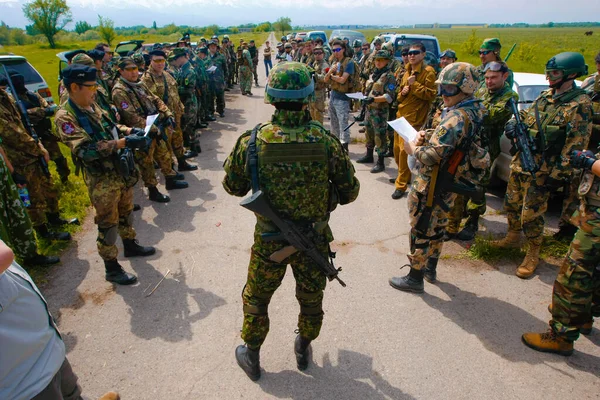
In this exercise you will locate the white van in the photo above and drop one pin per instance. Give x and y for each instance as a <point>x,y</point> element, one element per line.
<point>33,80</point>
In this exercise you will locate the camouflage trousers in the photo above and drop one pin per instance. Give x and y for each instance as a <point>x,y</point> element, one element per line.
<point>317,106</point>
<point>254,70</point>
<point>571,201</point>
<point>525,203</point>
<point>428,244</point>
<point>175,141</point>
<point>113,202</point>
<point>265,276</point>
<point>189,119</point>
<point>43,196</point>
<point>15,226</point>
<point>339,112</point>
<point>216,95</point>
<point>158,151</point>
<point>245,75</point>
<point>203,103</point>
<point>576,292</point>
<point>62,167</point>
<point>376,130</point>
<point>401,158</point>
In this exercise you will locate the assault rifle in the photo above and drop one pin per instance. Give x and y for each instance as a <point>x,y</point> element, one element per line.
<point>510,52</point>
<point>290,232</point>
<point>523,142</point>
<point>359,118</point>
<point>25,120</point>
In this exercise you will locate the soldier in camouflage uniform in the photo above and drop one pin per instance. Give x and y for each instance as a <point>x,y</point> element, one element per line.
<point>97,144</point>
<point>231,60</point>
<point>245,70</point>
<point>490,51</point>
<point>495,96</point>
<point>398,70</point>
<point>576,293</point>
<point>281,176</point>
<point>216,80</point>
<point>254,53</point>
<point>369,64</point>
<point>15,226</point>
<point>199,63</point>
<point>433,149</point>
<point>565,114</point>
<point>135,102</point>
<point>320,66</point>
<point>165,87</point>
<point>447,57</point>
<point>380,92</point>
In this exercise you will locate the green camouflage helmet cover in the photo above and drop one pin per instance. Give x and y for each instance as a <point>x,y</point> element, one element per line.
<point>461,74</point>
<point>357,43</point>
<point>569,62</point>
<point>385,54</point>
<point>289,82</point>
<point>377,40</point>
<point>389,46</point>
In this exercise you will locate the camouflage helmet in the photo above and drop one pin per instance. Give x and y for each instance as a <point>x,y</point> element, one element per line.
<point>461,74</point>
<point>83,59</point>
<point>138,58</point>
<point>357,43</point>
<point>377,40</point>
<point>289,82</point>
<point>389,46</point>
<point>385,54</point>
<point>569,62</point>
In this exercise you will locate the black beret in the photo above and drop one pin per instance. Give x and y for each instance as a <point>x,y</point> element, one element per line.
<point>96,55</point>
<point>70,54</point>
<point>78,73</point>
<point>158,53</point>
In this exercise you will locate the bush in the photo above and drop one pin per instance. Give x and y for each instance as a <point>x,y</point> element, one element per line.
<point>472,44</point>
<point>527,52</point>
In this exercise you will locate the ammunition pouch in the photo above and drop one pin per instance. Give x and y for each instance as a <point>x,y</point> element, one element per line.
<point>126,164</point>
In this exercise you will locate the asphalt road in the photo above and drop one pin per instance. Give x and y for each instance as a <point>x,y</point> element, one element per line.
<point>459,340</point>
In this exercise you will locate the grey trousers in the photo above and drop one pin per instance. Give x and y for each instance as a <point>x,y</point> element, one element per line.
<point>63,386</point>
<point>339,111</point>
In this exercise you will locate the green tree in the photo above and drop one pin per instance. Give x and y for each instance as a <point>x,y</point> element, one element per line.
<point>211,30</point>
<point>82,27</point>
<point>4,34</point>
<point>154,25</point>
<point>283,24</point>
<point>106,29</point>
<point>48,16</point>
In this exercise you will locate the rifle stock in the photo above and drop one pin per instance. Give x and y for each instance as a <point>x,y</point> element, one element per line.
<point>523,141</point>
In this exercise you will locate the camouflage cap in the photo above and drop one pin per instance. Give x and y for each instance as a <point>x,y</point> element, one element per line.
<point>449,53</point>
<point>461,74</point>
<point>125,61</point>
<point>83,59</point>
<point>491,44</point>
<point>213,41</point>
<point>288,46</point>
<point>177,52</point>
<point>357,43</point>
<point>318,47</point>
<point>383,54</point>
<point>138,58</point>
<point>389,46</point>
<point>289,82</point>
<point>203,50</point>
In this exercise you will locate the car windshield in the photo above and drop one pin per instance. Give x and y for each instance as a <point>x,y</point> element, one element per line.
<point>527,94</point>
<point>23,68</point>
<point>123,49</point>
<point>430,45</point>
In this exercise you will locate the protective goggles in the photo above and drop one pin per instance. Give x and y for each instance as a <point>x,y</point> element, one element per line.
<point>495,66</point>
<point>92,86</point>
<point>448,90</point>
<point>554,74</point>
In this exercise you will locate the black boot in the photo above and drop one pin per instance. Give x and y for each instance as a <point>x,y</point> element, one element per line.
<point>39,259</point>
<point>302,353</point>
<point>45,233</point>
<point>182,165</point>
<point>380,166</point>
<point>156,166</point>
<point>211,118</point>
<point>249,361</point>
<point>190,154</point>
<point>56,220</point>
<point>62,167</point>
<point>196,148</point>
<point>345,146</point>
<point>203,125</point>
<point>470,229</point>
<point>430,271</point>
<point>137,207</point>
<point>133,248</point>
<point>367,158</point>
<point>390,152</point>
<point>157,196</point>
<point>413,282</point>
<point>173,183</point>
<point>566,231</point>
<point>179,177</point>
<point>116,274</point>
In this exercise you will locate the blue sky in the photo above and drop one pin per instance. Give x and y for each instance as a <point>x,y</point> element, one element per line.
<point>301,12</point>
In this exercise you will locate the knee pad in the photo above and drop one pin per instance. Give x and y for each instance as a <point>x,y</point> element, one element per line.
<point>126,220</point>
<point>108,236</point>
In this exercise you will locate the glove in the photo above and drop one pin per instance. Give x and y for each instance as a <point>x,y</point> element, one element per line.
<point>171,122</point>
<point>137,132</point>
<point>582,159</point>
<point>553,184</point>
<point>19,179</point>
<point>137,142</point>
<point>49,112</point>
<point>367,100</point>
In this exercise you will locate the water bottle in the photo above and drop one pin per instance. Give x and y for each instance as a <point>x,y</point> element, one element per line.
<point>24,195</point>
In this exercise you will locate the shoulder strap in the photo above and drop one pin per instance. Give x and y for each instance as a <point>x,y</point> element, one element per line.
<point>253,158</point>
<point>165,98</point>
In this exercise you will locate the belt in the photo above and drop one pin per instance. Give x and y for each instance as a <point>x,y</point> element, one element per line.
<point>592,202</point>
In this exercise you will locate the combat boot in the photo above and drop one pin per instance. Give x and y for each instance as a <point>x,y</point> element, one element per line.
<point>56,220</point>
<point>155,195</point>
<point>178,176</point>
<point>183,165</point>
<point>116,274</point>
<point>584,329</point>
<point>430,271</point>
<point>301,350</point>
<point>249,361</point>
<point>530,263</point>
<point>565,232</point>
<point>39,259</point>
<point>367,158</point>
<point>173,183</point>
<point>548,342</point>
<point>512,240</point>
<point>211,118</point>
<point>379,166</point>
<point>390,152</point>
<point>44,232</point>
<point>470,229</point>
<point>110,396</point>
<point>413,282</point>
<point>133,248</point>
<point>190,154</point>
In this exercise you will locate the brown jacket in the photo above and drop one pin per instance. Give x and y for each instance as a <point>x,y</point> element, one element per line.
<point>416,104</point>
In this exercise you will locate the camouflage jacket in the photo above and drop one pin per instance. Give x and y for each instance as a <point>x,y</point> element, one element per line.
<point>246,59</point>
<point>383,84</point>
<point>158,84</point>
<point>187,85</point>
<point>319,75</point>
<point>566,123</point>
<point>497,114</point>
<point>201,74</point>
<point>20,148</point>
<point>481,77</point>
<point>589,186</point>
<point>135,102</point>
<point>217,77</point>
<point>441,143</point>
<point>592,87</point>
<point>284,173</point>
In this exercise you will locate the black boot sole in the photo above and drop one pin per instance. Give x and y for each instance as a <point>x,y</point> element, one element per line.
<point>407,288</point>
<point>139,254</point>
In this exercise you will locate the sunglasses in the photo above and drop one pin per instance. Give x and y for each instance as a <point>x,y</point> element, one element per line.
<point>404,54</point>
<point>159,61</point>
<point>484,52</point>
<point>317,53</point>
<point>91,86</point>
<point>448,90</point>
<point>337,50</point>
<point>130,68</point>
<point>495,67</point>
<point>414,52</point>
<point>365,48</point>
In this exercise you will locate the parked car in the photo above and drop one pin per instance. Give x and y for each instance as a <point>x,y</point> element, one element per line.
<point>351,35</point>
<point>123,48</point>
<point>312,35</point>
<point>33,80</point>
<point>432,46</point>
<point>301,36</point>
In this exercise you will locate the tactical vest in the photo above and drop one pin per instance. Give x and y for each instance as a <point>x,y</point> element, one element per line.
<point>348,86</point>
<point>589,188</point>
<point>377,89</point>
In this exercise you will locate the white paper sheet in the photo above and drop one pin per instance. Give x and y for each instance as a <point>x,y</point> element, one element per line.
<point>212,68</point>
<point>403,128</point>
<point>149,121</point>
<point>356,96</point>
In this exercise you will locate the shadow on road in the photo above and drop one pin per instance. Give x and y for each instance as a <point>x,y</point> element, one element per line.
<point>352,378</point>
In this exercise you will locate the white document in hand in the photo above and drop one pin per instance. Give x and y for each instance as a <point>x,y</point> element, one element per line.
<point>212,68</point>
<point>356,96</point>
<point>149,121</point>
<point>403,128</point>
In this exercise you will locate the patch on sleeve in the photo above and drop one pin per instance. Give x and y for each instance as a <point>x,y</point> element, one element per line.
<point>124,105</point>
<point>67,128</point>
<point>392,86</point>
